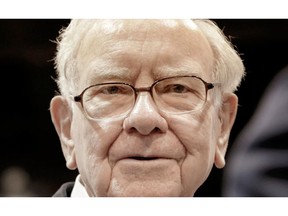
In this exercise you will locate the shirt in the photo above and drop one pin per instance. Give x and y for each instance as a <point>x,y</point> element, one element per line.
<point>79,189</point>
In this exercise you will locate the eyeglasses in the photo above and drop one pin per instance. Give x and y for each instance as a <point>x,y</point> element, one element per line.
<point>175,95</point>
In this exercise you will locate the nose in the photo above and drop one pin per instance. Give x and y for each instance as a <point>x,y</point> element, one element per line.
<point>145,117</point>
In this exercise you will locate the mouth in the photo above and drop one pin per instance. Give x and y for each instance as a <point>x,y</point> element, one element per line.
<point>139,158</point>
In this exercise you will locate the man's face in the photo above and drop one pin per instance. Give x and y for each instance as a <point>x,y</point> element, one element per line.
<point>149,152</point>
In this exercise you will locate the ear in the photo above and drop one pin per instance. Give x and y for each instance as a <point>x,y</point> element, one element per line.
<point>227,115</point>
<point>61,115</point>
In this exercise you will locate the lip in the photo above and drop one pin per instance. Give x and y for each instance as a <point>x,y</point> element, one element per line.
<point>145,162</point>
<point>142,157</point>
<point>148,161</point>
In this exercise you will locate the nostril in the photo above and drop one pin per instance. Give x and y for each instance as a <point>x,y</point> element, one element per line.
<point>132,130</point>
<point>144,131</point>
<point>156,129</point>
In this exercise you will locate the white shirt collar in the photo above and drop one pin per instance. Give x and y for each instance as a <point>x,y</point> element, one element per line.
<point>78,189</point>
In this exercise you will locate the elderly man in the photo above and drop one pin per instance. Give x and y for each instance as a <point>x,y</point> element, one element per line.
<point>146,106</point>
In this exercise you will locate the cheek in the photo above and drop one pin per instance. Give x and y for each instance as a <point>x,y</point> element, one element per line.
<point>92,142</point>
<point>197,134</point>
<point>94,138</point>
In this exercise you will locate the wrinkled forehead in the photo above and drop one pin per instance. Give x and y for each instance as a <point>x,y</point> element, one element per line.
<point>111,45</point>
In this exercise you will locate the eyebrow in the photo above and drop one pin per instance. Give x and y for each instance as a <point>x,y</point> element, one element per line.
<point>119,74</point>
<point>100,71</point>
<point>168,71</point>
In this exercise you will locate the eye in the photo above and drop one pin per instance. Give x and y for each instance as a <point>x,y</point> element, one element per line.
<point>177,88</point>
<point>110,90</point>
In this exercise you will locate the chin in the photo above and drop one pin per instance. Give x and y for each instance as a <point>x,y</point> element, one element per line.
<point>146,189</point>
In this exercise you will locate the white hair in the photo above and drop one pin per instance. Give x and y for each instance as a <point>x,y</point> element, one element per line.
<point>228,66</point>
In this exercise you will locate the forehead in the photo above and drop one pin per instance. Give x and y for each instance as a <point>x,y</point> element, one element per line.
<point>107,43</point>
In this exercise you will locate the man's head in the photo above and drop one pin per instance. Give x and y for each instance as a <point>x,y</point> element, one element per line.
<point>133,130</point>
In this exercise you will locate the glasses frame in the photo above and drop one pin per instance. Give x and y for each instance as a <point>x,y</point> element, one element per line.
<point>79,98</point>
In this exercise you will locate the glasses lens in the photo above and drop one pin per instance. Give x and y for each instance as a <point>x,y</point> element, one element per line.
<point>180,94</point>
<point>108,100</point>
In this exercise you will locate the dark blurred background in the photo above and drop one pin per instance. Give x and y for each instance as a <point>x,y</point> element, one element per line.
<point>31,160</point>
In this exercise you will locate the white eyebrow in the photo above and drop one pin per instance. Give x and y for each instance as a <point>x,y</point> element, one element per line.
<point>167,71</point>
<point>100,71</point>
<point>106,70</point>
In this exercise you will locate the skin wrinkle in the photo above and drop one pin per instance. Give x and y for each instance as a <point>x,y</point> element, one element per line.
<point>107,159</point>
<point>123,72</point>
<point>108,186</point>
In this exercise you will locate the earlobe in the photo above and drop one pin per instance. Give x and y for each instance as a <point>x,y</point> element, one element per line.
<point>71,160</point>
<point>62,117</point>
<point>227,115</point>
